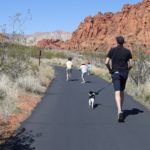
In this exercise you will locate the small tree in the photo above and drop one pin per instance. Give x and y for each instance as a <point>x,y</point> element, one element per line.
<point>141,70</point>
<point>17,23</point>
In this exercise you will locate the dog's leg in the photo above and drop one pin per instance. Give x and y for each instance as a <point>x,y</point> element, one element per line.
<point>92,103</point>
<point>89,103</point>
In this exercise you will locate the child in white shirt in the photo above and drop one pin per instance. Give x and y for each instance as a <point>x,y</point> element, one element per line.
<point>84,70</point>
<point>68,68</point>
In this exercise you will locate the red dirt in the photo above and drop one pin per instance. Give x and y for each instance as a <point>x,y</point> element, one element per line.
<point>26,103</point>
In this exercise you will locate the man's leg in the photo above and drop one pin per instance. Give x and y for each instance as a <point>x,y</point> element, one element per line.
<point>122,98</point>
<point>124,76</point>
<point>119,86</point>
<point>119,101</point>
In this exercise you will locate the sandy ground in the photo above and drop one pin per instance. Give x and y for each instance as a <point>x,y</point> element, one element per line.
<point>27,102</point>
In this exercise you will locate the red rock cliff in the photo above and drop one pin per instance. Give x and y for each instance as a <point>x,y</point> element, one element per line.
<point>99,32</point>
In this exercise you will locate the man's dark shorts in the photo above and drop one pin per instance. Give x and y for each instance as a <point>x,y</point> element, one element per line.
<point>119,80</point>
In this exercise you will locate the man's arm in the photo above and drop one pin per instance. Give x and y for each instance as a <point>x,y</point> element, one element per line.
<point>107,63</point>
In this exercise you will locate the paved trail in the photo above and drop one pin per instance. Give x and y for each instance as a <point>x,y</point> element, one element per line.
<point>62,120</point>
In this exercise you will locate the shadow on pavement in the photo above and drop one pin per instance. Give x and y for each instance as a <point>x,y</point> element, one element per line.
<point>74,80</point>
<point>88,82</point>
<point>96,105</point>
<point>133,111</point>
<point>22,140</point>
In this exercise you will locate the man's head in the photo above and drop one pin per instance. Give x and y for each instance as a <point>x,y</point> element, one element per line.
<point>120,40</point>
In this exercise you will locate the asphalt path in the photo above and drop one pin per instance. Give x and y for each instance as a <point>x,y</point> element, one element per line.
<point>63,121</point>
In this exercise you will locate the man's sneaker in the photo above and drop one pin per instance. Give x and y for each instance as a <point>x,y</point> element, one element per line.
<point>121,117</point>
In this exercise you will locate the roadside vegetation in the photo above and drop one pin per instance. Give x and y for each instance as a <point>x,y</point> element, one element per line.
<point>20,72</point>
<point>139,78</point>
<point>22,83</point>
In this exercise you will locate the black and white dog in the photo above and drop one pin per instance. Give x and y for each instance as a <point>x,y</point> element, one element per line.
<point>92,99</point>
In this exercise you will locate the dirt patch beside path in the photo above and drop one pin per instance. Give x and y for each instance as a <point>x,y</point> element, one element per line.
<point>27,102</point>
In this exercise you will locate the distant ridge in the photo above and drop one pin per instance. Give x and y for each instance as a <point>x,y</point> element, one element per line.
<point>34,38</point>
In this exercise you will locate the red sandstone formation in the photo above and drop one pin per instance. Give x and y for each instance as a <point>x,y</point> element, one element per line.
<point>51,44</point>
<point>99,32</point>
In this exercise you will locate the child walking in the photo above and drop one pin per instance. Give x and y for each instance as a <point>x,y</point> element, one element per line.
<point>68,68</point>
<point>89,66</point>
<point>83,69</point>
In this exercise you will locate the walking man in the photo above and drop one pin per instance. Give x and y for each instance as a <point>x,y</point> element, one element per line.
<point>119,62</point>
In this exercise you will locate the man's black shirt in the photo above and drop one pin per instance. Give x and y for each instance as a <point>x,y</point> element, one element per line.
<point>120,57</point>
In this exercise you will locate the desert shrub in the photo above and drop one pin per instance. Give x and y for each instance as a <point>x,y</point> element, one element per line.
<point>14,68</point>
<point>58,61</point>
<point>30,83</point>
<point>8,95</point>
<point>14,60</point>
<point>139,77</point>
<point>60,55</point>
<point>46,74</point>
<point>103,73</point>
<point>141,69</point>
<point>49,54</point>
<point>146,91</point>
<point>18,72</point>
<point>33,68</point>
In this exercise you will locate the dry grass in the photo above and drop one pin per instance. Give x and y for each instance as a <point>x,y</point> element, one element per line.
<point>101,72</point>
<point>46,74</point>
<point>8,95</point>
<point>58,61</point>
<point>34,80</point>
<point>146,89</point>
<point>38,80</point>
<point>18,97</point>
<point>30,83</point>
<point>141,93</point>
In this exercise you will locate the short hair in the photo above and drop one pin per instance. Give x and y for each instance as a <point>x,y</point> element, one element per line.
<point>70,58</point>
<point>120,40</point>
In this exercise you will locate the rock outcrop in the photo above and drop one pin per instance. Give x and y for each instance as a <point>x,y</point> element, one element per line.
<point>99,32</point>
<point>50,44</point>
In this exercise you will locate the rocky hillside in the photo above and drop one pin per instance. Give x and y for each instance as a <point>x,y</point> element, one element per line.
<point>34,38</point>
<point>99,32</point>
<point>50,44</point>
